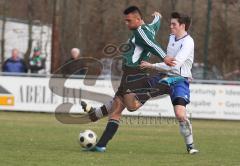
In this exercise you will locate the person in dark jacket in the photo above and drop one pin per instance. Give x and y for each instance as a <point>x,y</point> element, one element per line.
<point>74,64</point>
<point>36,63</point>
<point>15,64</point>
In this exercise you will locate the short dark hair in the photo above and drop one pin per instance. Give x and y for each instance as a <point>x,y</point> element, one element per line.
<point>132,9</point>
<point>182,19</point>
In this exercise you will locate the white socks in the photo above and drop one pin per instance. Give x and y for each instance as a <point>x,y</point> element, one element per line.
<point>185,128</point>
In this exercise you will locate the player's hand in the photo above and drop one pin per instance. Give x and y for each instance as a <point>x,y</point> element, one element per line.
<point>170,61</point>
<point>157,14</point>
<point>145,65</point>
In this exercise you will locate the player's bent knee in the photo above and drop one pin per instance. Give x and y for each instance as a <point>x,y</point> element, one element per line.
<point>131,103</point>
<point>180,116</point>
<point>133,107</point>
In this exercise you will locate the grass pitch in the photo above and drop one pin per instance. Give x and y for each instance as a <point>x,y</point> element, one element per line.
<point>33,139</point>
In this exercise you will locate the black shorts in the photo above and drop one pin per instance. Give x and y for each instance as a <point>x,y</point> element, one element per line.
<point>133,80</point>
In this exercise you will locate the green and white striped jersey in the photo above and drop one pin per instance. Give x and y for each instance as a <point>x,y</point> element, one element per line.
<point>142,43</point>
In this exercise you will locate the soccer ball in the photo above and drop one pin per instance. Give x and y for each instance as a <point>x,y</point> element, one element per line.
<point>87,139</point>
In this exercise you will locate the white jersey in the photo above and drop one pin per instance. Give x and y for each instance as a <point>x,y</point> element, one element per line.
<point>183,51</point>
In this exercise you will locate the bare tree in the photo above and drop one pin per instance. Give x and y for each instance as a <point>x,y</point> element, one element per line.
<point>30,30</point>
<point>5,10</point>
<point>79,21</point>
<point>223,37</point>
<point>46,11</point>
<point>174,4</point>
<point>193,14</point>
<point>56,54</point>
<point>65,27</point>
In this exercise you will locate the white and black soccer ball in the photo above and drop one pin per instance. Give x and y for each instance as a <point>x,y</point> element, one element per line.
<point>87,139</point>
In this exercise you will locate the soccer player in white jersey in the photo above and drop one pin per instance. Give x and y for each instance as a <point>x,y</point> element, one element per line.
<point>181,47</point>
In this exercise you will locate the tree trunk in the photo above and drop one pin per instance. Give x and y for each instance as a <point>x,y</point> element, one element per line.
<point>193,14</point>
<point>207,37</point>
<point>5,9</point>
<point>55,59</point>
<point>174,4</point>
<point>79,8</point>
<point>30,31</point>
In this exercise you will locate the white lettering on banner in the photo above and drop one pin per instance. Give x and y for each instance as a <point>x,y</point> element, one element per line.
<point>208,101</point>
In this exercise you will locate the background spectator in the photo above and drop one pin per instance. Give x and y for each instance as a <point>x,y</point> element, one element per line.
<point>74,64</point>
<point>75,54</point>
<point>15,64</point>
<point>37,63</point>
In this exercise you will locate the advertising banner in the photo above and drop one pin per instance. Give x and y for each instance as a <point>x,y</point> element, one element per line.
<point>35,94</point>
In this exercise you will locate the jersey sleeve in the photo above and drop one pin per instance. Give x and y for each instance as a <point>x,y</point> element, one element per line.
<point>155,24</point>
<point>183,54</point>
<point>161,67</point>
<point>147,42</point>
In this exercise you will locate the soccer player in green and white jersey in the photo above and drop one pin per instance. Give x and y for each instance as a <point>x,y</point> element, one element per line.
<point>131,94</point>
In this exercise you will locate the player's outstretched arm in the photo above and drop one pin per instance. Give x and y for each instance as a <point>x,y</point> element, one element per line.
<point>156,66</point>
<point>157,14</point>
<point>155,24</point>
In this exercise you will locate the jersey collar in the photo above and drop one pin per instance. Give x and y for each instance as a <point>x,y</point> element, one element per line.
<point>180,38</point>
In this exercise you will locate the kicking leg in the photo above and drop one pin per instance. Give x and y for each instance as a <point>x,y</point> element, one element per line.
<point>112,125</point>
<point>130,100</point>
<point>97,113</point>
